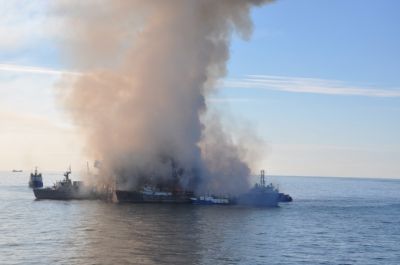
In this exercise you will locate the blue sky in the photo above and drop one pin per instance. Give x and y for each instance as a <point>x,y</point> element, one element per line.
<point>354,43</point>
<point>354,40</point>
<point>318,81</point>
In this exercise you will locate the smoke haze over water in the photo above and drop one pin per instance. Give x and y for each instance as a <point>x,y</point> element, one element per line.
<point>150,66</point>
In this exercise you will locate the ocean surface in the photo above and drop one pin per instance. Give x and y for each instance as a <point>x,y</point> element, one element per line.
<point>331,221</point>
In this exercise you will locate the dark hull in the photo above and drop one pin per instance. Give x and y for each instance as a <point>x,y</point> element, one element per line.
<point>51,194</point>
<point>35,184</point>
<point>138,197</point>
<point>285,197</point>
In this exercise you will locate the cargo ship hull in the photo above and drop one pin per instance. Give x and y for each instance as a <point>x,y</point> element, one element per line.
<point>52,194</point>
<point>124,196</point>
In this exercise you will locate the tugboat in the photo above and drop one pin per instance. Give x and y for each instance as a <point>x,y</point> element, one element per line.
<point>68,190</point>
<point>260,195</point>
<point>35,181</point>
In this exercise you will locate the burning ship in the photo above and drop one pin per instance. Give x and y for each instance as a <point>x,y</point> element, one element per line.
<point>157,190</point>
<point>153,189</point>
<point>144,105</point>
<point>260,195</point>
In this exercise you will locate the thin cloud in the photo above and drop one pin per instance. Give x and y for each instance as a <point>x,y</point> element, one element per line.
<point>230,100</point>
<point>35,70</point>
<point>307,85</point>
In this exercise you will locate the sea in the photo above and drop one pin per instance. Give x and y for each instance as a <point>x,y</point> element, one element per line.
<point>330,221</point>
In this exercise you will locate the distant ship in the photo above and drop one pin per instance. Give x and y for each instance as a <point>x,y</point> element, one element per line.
<point>69,190</point>
<point>35,180</point>
<point>16,170</point>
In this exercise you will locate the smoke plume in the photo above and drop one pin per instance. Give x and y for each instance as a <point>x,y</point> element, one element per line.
<point>150,65</point>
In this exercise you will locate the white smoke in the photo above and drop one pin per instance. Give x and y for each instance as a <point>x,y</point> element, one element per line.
<point>151,64</point>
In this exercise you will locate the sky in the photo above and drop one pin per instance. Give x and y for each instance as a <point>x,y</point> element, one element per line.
<point>318,81</point>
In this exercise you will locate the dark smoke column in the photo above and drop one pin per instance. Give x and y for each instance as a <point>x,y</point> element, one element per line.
<point>150,65</point>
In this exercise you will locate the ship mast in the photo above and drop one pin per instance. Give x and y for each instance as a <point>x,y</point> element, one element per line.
<point>66,174</point>
<point>262,178</point>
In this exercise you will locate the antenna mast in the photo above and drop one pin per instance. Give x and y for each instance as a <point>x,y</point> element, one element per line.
<point>262,178</point>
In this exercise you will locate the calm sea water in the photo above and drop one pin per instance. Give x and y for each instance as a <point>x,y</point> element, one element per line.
<point>331,221</point>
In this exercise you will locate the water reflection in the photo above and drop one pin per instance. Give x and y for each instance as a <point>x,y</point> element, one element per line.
<point>141,234</point>
<point>166,234</point>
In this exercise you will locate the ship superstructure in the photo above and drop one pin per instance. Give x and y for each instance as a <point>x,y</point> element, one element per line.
<point>35,180</point>
<point>260,195</point>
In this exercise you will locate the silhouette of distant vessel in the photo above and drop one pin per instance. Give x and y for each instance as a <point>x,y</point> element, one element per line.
<point>35,180</point>
<point>16,170</point>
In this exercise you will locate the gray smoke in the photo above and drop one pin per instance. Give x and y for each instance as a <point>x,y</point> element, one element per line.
<point>150,65</point>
